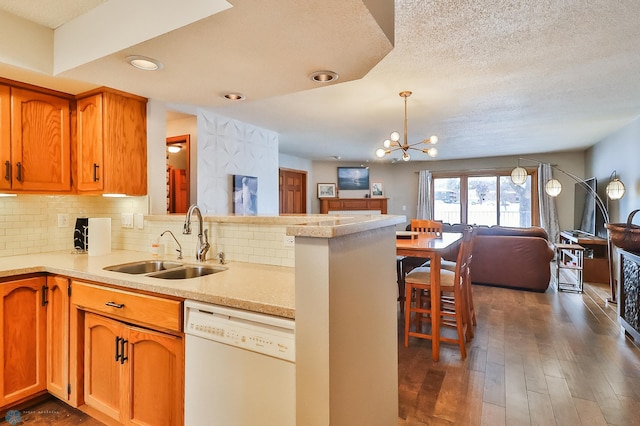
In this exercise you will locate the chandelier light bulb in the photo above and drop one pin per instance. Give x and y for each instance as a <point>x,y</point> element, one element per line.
<point>380,152</point>
<point>553,188</point>
<point>432,152</point>
<point>406,156</point>
<point>433,140</point>
<point>387,143</point>
<point>395,136</point>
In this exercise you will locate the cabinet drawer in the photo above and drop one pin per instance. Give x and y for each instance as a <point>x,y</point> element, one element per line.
<point>144,309</point>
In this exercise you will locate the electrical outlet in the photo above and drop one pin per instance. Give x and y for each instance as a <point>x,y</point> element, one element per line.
<point>289,241</point>
<point>63,220</point>
<point>127,220</point>
<point>139,221</point>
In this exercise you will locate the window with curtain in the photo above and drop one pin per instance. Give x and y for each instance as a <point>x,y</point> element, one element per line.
<point>485,198</point>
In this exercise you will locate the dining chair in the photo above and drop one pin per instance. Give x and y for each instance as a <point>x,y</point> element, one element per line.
<point>404,264</point>
<point>468,289</point>
<point>453,310</point>
<point>427,226</point>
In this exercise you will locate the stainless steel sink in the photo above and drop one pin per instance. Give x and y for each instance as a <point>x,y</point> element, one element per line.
<point>144,266</point>
<point>187,271</point>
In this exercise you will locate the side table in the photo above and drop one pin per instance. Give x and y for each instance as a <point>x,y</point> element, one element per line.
<point>569,267</point>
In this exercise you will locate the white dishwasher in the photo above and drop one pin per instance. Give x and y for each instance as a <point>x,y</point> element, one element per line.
<point>239,367</point>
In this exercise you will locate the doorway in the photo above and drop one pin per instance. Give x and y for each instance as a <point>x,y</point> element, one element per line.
<point>178,154</point>
<point>293,191</point>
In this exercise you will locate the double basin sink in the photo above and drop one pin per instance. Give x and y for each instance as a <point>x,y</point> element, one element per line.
<point>165,269</point>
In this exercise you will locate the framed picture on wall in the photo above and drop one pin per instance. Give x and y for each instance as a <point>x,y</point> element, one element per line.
<point>326,190</point>
<point>245,195</point>
<point>376,190</point>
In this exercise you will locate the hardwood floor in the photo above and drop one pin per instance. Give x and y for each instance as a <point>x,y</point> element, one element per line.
<point>536,359</point>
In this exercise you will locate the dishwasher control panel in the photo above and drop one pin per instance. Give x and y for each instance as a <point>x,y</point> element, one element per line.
<point>265,334</point>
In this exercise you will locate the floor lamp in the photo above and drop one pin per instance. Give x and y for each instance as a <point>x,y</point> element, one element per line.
<point>615,190</point>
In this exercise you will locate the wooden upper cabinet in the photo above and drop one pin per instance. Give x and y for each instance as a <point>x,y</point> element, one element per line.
<point>5,137</point>
<point>111,143</point>
<point>40,143</point>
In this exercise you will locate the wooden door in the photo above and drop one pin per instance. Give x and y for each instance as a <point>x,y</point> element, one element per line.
<point>58,336</point>
<point>156,370</point>
<point>103,379</point>
<point>5,137</point>
<point>22,339</point>
<point>89,144</point>
<point>293,191</point>
<point>41,142</point>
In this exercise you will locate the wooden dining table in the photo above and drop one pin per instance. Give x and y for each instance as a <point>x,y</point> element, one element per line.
<point>429,247</point>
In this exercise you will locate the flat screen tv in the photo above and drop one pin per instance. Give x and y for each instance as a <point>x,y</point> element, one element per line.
<point>587,216</point>
<point>353,178</point>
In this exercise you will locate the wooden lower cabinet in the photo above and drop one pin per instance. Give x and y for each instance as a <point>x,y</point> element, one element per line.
<point>22,340</point>
<point>57,303</point>
<point>132,374</point>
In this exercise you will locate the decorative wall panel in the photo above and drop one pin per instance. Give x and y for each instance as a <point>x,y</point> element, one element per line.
<point>228,147</point>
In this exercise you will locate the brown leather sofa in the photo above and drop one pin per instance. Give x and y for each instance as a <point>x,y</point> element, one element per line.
<point>510,257</point>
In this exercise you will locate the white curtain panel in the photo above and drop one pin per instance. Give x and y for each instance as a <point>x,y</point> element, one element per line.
<point>424,195</point>
<point>548,211</point>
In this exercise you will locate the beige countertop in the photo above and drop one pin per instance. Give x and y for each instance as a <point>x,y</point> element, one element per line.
<point>260,288</point>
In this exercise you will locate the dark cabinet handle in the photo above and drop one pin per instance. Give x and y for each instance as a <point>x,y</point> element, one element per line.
<point>19,174</point>
<point>45,295</point>
<point>115,305</point>
<point>7,171</point>
<point>123,342</point>
<point>95,172</point>
<point>117,348</point>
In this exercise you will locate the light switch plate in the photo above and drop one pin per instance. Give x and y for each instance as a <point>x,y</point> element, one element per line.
<point>139,221</point>
<point>127,220</point>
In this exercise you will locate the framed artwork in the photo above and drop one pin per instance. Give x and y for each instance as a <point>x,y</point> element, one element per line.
<point>376,190</point>
<point>350,178</point>
<point>326,190</point>
<point>245,195</point>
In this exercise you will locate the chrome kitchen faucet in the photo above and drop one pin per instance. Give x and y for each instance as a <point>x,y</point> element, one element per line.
<point>202,246</point>
<point>179,249</point>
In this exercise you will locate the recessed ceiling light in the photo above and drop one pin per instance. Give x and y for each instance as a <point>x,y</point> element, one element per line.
<point>174,148</point>
<point>144,63</point>
<point>324,76</point>
<point>235,96</point>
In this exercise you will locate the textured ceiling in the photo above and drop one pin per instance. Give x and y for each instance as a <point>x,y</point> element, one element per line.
<point>50,14</point>
<point>489,77</point>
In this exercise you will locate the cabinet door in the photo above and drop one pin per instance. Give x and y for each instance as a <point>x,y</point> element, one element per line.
<point>22,339</point>
<point>125,145</point>
<point>103,378</point>
<point>156,373</point>
<point>5,137</point>
<point>58,336</point>
<point>89,141</point>
<point>41,147</point>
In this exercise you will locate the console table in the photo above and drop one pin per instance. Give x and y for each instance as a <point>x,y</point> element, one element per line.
<point>629,299</point>
<point>352,204</point>
<point>596,257</point>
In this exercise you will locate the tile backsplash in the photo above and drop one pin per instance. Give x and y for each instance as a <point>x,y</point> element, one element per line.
<point>29,225</point>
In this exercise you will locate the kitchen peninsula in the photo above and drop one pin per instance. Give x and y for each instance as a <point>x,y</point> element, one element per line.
<point>328,292</point>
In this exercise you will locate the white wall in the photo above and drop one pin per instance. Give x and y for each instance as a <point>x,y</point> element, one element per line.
<point>620,152</point>
<point>228,147</point>
<point>400,180</point>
